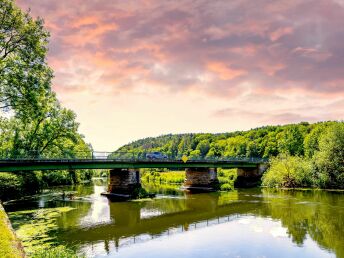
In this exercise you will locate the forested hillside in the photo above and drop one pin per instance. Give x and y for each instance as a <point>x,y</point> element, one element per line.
<point>295,139</point>
<point>301,155</point>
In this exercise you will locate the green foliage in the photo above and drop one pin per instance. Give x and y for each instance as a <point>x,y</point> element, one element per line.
<point>308,155</point>
<point>36,124</point>
<point>24,75</point>
<point>329,159</point>
<point>322,167</point>
<point>288,171</point>
<point>269,141</point>
<point>226,178</point>
<point>291,140</point>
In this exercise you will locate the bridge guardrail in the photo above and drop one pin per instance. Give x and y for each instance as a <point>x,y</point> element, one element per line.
<point>117,156</point>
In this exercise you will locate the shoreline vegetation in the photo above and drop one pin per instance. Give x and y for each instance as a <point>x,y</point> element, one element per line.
<point>10,246</point>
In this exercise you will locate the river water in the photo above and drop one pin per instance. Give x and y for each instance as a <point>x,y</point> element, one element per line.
<point>240,223</point>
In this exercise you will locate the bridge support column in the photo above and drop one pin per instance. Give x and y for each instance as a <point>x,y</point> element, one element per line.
<point>201,179</point>
<point>250,177</point>
<point>124,182</point>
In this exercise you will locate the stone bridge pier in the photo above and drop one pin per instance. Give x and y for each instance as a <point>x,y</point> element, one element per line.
<point>201,179</point>
<point>123,182</point>
<point>250,177</point>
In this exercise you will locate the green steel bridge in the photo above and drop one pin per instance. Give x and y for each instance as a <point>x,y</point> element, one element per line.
<point>111,160</point>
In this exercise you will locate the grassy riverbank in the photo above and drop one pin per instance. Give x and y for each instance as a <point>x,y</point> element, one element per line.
<point>10,247</point>
<point>226,178</point>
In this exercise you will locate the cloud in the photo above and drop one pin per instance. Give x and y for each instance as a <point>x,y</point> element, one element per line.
<point>219,50</point>
<point>292,41</point>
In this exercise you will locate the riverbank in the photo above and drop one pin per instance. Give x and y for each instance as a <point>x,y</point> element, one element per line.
<point>10,246</point>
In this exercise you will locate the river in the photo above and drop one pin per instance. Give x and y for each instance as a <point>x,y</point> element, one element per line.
<point>241,223</point>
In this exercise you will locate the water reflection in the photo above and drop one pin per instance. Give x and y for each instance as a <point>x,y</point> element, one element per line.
<point>246,223</point>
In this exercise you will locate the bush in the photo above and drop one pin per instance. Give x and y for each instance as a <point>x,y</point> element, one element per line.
<point>289,171</point>
<point>226,178</point>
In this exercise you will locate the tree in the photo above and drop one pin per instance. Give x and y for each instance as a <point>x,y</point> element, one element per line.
<point>203,147</point>
<point>37,125</point>
<point>329,160</point>
<point>291,141</point>
<point>24,76</point>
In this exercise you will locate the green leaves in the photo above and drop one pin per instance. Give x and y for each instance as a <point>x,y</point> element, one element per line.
<point>36,125</point>
<point>329,159</point>
<point>24,75</point>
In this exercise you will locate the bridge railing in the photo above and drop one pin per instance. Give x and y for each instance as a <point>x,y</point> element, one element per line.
<point>117,156</point>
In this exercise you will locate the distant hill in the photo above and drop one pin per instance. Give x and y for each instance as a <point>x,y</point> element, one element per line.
<point>295,139</point>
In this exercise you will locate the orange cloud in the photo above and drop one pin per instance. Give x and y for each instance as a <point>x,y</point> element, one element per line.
<point>223,71</point>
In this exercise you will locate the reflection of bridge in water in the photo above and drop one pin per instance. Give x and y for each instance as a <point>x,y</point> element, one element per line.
<point>133,222</point>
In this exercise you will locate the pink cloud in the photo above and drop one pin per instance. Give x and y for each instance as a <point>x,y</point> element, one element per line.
<point>280,32</point>
<point>224,49</point>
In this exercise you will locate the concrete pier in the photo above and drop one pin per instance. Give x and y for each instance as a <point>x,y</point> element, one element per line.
<point>201,179</point>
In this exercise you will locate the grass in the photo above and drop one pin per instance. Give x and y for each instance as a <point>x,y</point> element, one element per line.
<point>9,245</point>
<point>171,177</point>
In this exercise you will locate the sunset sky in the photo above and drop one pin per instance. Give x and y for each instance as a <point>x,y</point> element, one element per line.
<point>133,69</point>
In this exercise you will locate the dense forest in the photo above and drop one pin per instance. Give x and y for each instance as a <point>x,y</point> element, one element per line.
<point>295,139</point>
<point>301,155</point>
<point>32,121</point>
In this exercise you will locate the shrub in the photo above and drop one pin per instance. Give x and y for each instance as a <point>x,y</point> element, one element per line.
<point>289,171</point>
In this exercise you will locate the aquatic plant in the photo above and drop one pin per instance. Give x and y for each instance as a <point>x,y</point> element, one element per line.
<point>38,233</point>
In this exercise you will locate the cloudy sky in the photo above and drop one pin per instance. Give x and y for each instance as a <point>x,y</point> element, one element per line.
<point>132,69</point>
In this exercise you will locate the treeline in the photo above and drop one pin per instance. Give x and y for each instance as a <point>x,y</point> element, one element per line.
<point>295,139</point>
<point>301,155</point>
<point>32,123</point>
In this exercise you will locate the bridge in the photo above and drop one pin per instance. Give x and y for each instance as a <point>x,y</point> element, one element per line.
<point>201,172</point>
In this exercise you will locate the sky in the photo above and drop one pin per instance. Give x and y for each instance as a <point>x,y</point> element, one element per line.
<point>139,68</point>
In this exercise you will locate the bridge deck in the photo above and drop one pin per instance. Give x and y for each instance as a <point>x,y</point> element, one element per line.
<point>67,164</point>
